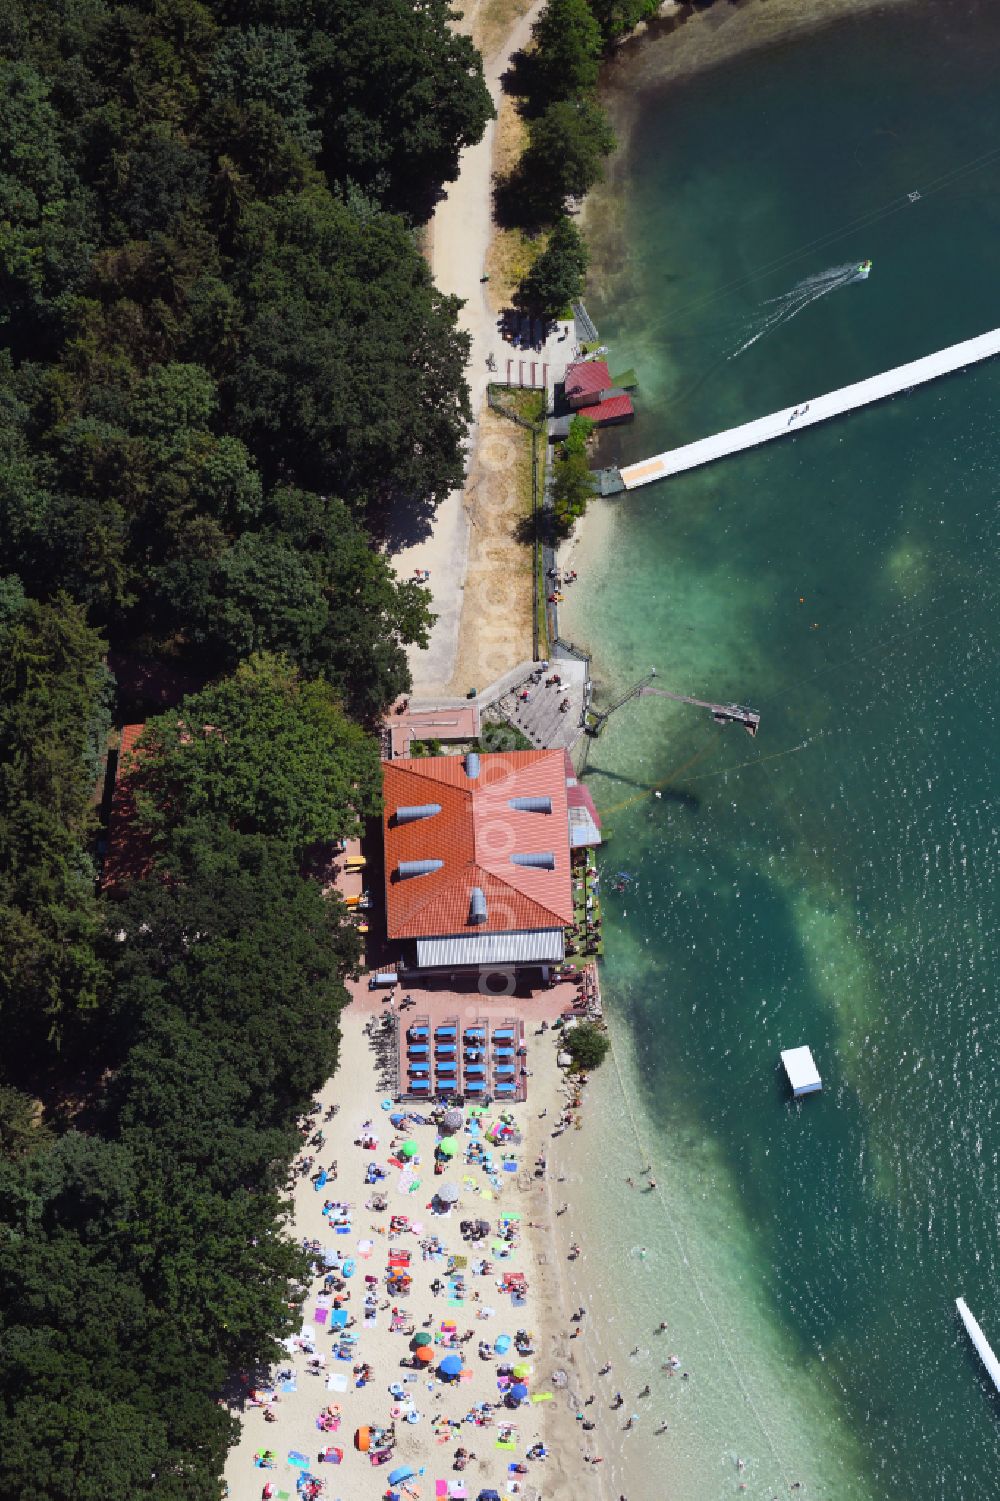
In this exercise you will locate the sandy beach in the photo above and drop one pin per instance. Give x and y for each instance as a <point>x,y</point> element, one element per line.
<point>529,1213</point>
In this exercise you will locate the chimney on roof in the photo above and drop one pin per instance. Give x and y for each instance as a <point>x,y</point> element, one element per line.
<point>530,804</point>
<point>540,860</point>
<point>477,905</point>
<point>417,810</point>
<point>407,868</point>
<point>472,765</point>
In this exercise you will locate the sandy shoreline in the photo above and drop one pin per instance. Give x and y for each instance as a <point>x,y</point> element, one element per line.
<point>534,1200</point>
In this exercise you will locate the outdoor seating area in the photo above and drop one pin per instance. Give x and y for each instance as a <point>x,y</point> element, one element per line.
<point>585,937</point>
<point>479,1061</point>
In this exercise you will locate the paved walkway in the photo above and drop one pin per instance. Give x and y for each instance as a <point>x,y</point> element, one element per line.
<point>540,717</point>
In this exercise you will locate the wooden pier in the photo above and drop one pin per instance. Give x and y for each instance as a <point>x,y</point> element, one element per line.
<point>816,409</point>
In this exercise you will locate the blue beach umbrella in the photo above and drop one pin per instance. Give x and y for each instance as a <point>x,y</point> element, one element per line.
<point>502,1344</point>
<point>401,1472</point>
<point>450,1366</point>
<point>519,1391</point>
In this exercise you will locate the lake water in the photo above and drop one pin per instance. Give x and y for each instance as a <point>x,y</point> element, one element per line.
<point>833,882</point>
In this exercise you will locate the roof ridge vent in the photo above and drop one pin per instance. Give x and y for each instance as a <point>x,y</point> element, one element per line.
<point>413,811</point>
<point>477,905</point>
<point>538,860</point>
<point>530,804</point>
<point>472,764</point>
<point>407,868</point>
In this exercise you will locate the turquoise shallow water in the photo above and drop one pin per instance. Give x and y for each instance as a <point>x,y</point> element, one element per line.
<point>833,882</point>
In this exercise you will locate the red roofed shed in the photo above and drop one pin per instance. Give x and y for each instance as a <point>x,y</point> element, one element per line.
<point>586,381</point>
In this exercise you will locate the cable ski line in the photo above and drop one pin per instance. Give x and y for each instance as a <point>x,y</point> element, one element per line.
<point>873,216</point>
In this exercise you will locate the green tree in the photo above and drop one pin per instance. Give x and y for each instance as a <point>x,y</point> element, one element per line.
<point>565,154</point>
<point>264,65</point>
<point>568,46</point>
<point>557,275</point>
<point>587,1045</point>
<point>54,715</point>
<point>351,375</point>
<point>572,489</point>
<point>617,18</point>
<point>263,752</point>
<point>398,94</point>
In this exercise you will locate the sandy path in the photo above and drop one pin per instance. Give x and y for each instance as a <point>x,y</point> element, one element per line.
<point>460,236</point>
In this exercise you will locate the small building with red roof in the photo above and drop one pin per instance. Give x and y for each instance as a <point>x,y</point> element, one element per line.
<point>477,859</point>
<point>590,391</point>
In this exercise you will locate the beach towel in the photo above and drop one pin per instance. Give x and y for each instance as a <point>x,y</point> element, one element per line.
<point>336,1382</point>
<point>440,1487</point>
<point>301,1461</point>
<point>510,1444</point>
<point>289,1386</point>
<point>543,1397</point>
<point>321,1315</point>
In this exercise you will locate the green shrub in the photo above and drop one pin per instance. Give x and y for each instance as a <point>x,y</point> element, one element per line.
<point>587,1045</point>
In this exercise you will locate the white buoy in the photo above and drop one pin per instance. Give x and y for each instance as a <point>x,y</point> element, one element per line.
<point>802,1072</point>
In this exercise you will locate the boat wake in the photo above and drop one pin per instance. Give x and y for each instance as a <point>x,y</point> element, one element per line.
<point>783,309</point>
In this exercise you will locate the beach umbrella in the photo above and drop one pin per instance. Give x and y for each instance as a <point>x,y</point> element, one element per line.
<point>409,1149</point>
<point>448,1146</point>
<point>451,1365</point>
<point>452,1120</point>
<point>422,1338</point>
<point>362,1439</point>
<point>502,1344</point>
<point>400,1473</point>
<point>522,1369</point>
<point>448,1193</point>
<point>519,1391</point>
<point>424,1354</point>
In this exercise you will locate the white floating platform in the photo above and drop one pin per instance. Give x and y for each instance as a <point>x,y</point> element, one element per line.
<point>816,409</point>
<point>980,1341</point>
<point>802,1072</point>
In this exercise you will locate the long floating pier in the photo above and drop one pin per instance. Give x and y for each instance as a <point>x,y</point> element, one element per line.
<point>816,409</point>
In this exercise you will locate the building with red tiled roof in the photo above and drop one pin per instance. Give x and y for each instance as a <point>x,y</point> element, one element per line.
<point>585,382</point>
<point>477,858</point>
<point>127,857</point>
<point>589,391</point>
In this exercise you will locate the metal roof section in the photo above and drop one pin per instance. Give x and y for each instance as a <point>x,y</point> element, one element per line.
<point>535,859</point>
<point>472,765</point>
<point>543,946</point>
<point>416,811</point>
<point>477,904</point>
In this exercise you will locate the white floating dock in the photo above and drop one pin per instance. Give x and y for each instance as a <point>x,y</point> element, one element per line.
<point>802,1072</point>
<point>816,409</point>
<point>980,1341</point>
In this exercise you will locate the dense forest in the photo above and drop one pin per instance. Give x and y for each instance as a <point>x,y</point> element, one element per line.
<point>228,386</point>
<point>227,382</point>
